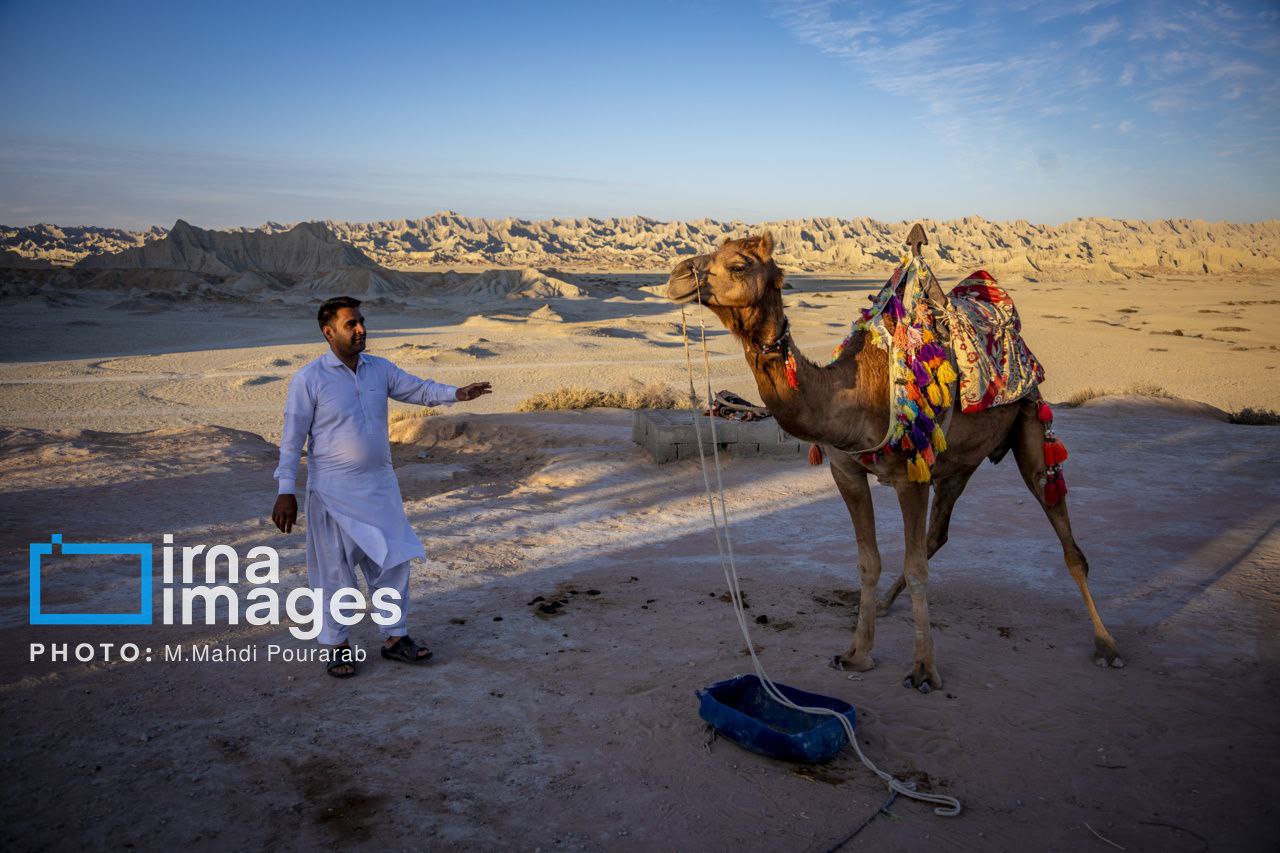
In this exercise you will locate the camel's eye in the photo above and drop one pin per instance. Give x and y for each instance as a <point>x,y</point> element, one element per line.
<point>738,269</point>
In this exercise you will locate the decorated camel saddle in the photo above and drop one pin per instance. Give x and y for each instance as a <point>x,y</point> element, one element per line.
<point>965,345</point>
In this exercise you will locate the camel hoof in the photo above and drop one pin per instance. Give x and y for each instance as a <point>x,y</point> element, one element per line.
<point>857,663</point>
<point>923,680</point>
<point>1106,654</point>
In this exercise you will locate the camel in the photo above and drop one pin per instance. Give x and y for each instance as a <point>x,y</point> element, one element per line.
<point>844,408</point>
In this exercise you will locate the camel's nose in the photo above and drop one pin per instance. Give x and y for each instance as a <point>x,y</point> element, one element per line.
<point>684,280</point>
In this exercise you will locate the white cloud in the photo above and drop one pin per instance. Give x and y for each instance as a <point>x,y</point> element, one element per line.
<point>1014,72</point>
<point>1095,33</point>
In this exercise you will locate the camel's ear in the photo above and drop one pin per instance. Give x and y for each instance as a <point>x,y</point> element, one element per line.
<point>764,246</point>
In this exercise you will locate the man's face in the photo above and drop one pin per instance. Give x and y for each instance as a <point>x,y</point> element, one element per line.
<point>345,332</point>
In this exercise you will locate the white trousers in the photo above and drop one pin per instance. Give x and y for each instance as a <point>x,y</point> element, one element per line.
<point>332,557</point>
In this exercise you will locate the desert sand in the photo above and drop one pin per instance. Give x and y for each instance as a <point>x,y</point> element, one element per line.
<point>138,402</point>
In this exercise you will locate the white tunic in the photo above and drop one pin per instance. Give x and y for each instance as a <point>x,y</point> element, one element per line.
<point>343,415</point>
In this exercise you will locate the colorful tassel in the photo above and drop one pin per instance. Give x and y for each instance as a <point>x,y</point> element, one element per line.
<point>1055,487</point>
<point>1055,453</point>
<point>792,382</point>
<point>938,440</point>
<point>815,454</point>
<point>1045,413</point>
<point>935,395</point>
<point>946,373</point>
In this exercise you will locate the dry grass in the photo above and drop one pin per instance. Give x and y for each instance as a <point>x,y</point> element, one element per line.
<point>1084,395</point>
<point>1138,389</point>
<point>410,414</point>
<point>1255,417</point>
<point>655,395</point>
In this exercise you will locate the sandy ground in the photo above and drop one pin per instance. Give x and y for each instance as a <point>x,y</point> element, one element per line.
<point>578,729</point>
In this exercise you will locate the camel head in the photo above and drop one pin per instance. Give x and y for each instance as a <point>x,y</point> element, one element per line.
<point>740,274</point>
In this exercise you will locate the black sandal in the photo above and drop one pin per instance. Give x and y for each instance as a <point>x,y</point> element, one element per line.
<point>406,650</point>
<point>332,667</point>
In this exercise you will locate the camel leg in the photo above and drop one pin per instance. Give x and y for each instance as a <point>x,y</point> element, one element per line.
<point>945,494</point>
<point>894,591</point>
<point>1028,450</point>
<point>853,487</point>
<point>914,500</point>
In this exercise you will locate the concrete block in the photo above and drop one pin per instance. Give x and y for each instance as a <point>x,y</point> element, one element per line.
<point>669,434</point>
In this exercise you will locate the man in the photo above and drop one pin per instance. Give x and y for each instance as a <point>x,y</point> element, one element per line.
<point>355,516</point>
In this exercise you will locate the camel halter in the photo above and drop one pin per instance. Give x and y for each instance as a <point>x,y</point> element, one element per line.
<point>944,806</point>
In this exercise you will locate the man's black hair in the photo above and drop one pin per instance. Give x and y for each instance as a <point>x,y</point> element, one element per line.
<point>330,308</point>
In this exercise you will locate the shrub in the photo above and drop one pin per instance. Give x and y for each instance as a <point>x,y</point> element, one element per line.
<point>1254,417</point>
<point>654,395</point>
<point>1138,389</point>
<point>410,414</point>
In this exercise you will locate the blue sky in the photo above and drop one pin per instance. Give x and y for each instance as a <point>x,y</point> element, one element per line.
<point>234,114</point>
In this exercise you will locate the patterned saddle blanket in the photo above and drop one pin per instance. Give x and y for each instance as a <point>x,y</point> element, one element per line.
<point>994,362</point>
<point>924,332</point>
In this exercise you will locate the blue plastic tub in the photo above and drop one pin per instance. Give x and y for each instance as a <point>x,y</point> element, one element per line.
<point>742,711</point>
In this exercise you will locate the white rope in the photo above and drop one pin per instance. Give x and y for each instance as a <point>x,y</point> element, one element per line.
<point>946,806</point>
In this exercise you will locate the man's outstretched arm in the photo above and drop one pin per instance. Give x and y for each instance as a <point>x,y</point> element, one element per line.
<point>299,411</point>
<point>408,388</point>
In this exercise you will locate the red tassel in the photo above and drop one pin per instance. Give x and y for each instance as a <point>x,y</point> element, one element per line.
<point>1055,453</point>
<point>1055,488</point>
<point>1045,413</point>
<point>815,454</point>
<point>792,382</point>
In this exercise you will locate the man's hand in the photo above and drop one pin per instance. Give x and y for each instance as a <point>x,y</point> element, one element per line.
<point>475,389</point>
<point>285,512</point>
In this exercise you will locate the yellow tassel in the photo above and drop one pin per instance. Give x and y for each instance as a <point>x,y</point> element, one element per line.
<point>946,396</point>
<point>917,470</point>
<point>938,440</point>
<point>946,373</point>
<point>934,396</point>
